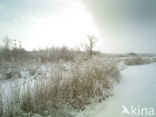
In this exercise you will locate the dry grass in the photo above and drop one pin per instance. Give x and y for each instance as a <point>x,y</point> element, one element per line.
<point>137,61</point>
<point>41,56</point>
<point>68,90</point>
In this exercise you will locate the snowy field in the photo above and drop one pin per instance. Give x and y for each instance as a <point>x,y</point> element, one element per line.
<point>137,88</point>
<point>66,87</point>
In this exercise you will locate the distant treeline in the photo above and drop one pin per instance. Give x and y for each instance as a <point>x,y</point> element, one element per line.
<point>12,51</point>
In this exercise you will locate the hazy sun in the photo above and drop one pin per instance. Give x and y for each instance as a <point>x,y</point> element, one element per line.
<point>68,28</point>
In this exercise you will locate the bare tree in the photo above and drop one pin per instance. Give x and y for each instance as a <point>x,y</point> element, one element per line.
<point>90,44</point>
<point>6,46</point>
<point>7,42</point>
<point>11,49</point>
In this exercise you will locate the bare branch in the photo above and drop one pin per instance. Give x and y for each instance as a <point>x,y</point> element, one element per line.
<point>91,41</point>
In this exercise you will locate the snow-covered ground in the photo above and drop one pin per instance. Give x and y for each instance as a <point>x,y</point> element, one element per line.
<point>137,87</point>
<point>28,75</point>
<point>16,83</point>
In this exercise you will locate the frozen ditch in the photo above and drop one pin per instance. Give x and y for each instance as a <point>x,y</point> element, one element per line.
<point>137,88</point>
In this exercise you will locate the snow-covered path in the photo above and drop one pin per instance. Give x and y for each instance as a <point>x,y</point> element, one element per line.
<point>137,88</point>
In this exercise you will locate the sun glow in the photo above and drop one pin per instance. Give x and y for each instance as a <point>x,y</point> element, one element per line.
<point>68,28</point>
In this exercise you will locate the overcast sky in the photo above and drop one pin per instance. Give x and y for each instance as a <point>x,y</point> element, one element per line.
<point>120,25</point>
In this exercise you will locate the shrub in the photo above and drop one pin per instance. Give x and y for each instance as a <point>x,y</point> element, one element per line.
<point>136,61</point>
<point>67,90</point>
